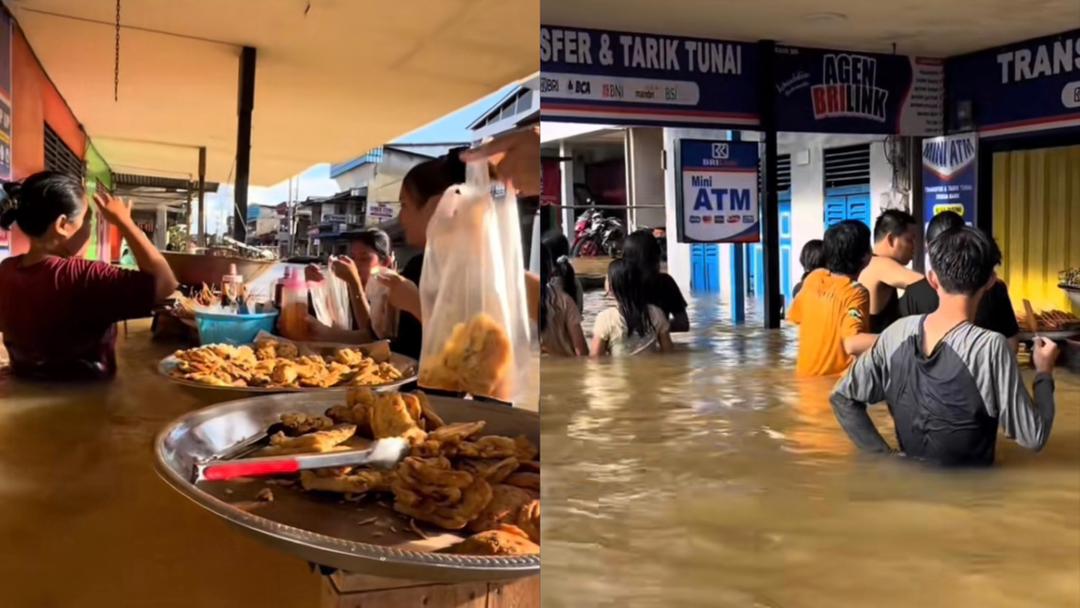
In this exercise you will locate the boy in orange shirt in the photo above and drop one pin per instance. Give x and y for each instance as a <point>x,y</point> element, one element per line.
<point>832,310</point>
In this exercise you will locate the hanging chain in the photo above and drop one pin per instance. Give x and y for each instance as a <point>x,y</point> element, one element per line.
<point>116,64</point>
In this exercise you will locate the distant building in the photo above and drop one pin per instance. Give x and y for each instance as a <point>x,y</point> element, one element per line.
<point>521,106</point>
<point>333,215</point>
<point>381,171</point>
<point>262,225</point>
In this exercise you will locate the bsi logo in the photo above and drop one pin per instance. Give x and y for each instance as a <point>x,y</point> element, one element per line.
<point>720,151</point>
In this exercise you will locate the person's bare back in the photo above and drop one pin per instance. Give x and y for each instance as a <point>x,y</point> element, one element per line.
<point>882,277</point>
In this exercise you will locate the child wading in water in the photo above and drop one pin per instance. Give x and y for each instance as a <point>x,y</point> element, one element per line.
<point>633,326</point>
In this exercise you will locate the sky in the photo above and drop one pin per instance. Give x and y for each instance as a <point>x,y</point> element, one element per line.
<point>316,180</point>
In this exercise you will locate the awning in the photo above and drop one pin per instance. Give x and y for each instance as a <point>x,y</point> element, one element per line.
<point>332,80</point>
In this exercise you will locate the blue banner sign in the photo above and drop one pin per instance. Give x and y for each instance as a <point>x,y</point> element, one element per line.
<point>605,76</point>
<point>1022,87</point>
<point>718,191</point>
<point>823,91</point>
<point>950,174</point>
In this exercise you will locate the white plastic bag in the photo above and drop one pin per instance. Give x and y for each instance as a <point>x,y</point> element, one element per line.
<point>384,317</point>
<point>472,294</point>
<point>330,298</point>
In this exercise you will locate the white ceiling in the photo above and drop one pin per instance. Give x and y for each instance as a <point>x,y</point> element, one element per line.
<point>934,28</point>
<point>347,77</point>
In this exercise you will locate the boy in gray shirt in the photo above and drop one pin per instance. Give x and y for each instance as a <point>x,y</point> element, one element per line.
<point>948,383</point>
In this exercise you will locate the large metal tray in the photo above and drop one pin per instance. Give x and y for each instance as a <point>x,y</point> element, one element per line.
<point>1064,334</point>
<point>318,528</point>
<point>407,365</point>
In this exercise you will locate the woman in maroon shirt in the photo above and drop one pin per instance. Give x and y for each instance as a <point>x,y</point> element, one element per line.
<point>57,310</point>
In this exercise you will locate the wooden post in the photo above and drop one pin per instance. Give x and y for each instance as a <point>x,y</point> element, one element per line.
<point>202,196</point>
<point>246,103</point>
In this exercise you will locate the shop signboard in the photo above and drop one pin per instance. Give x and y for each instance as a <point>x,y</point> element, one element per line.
<point>607,77</point>
<point>826,91</point>
<point>1018,88</point>
<point>378,213</point>
<point>717,191</point>
<point>950,173</point>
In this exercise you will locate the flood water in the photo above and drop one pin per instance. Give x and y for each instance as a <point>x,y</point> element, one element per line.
<point>712,477</point>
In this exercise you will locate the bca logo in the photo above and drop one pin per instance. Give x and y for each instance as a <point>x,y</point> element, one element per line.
<point>720,151</point>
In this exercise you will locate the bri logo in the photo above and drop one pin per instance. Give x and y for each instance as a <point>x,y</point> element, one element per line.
<point>947,156</point>
<point>849,89</point>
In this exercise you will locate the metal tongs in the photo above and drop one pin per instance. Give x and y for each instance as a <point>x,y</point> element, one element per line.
<point>384,453</point>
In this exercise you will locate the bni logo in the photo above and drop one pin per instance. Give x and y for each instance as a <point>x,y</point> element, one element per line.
<point>720,151</point>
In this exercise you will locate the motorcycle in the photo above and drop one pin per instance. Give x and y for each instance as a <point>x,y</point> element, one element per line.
<point>596,234</point>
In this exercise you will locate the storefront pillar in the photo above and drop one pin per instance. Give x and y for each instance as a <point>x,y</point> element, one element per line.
<point>246,102</point>
<point>567,185</point>
<point>770,224</point>
<point>916,199</point>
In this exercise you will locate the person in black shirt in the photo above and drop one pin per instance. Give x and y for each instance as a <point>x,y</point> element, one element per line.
<point>515,159</point>
<point>641,249</point>
<point>995,310</point>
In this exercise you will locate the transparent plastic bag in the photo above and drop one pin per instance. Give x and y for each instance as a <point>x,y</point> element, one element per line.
<point>384,317</point>
<point>472,294</point>
<point>330,298</point>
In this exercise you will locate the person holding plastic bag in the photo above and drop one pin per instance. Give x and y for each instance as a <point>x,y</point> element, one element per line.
<point>473,297</point>
<point>515,159</point>
<point>372,314</point>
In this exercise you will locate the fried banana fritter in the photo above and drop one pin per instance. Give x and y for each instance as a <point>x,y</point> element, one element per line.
<point>270,363</point>
<point>505,540</point>
<point>319,441</point>
<point>476,359</point>
<point>358,481</point>
<point>504,507</point>
<point>492,471</point>
<point>391,417</point>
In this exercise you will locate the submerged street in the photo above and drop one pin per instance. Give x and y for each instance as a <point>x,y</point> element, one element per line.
<point>712,477</point>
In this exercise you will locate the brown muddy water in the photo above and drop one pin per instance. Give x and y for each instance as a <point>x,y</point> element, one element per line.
<point>712,477</point>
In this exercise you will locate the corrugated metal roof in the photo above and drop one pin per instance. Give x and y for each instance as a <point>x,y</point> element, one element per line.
<point>153,181</point>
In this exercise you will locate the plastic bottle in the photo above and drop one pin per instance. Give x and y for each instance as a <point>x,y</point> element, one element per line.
<point>294,307</point>
<point>279,285</point>
<point>230,285</point>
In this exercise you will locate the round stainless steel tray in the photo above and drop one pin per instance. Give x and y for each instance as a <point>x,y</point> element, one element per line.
<point>318,529</point>
<point>407,365</point>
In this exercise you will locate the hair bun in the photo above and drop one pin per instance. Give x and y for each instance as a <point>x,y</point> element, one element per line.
<point>454,166</point>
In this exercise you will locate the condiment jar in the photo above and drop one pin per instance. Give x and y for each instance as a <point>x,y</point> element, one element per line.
<point>294,307</point>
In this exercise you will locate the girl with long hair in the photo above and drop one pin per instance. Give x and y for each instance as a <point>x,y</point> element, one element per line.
<point>633,325</point>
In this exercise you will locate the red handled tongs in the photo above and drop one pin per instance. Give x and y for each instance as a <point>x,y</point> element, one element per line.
<point>384,453</point>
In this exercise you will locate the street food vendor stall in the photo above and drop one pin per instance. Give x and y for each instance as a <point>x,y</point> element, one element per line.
<point>83,501</point>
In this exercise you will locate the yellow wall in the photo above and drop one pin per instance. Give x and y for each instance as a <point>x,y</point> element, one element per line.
<point>1037,222</point>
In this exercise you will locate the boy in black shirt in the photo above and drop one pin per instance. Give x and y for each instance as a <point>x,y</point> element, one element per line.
<point>995,311</point>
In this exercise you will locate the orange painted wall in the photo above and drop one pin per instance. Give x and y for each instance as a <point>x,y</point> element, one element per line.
<point>35,102</point>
